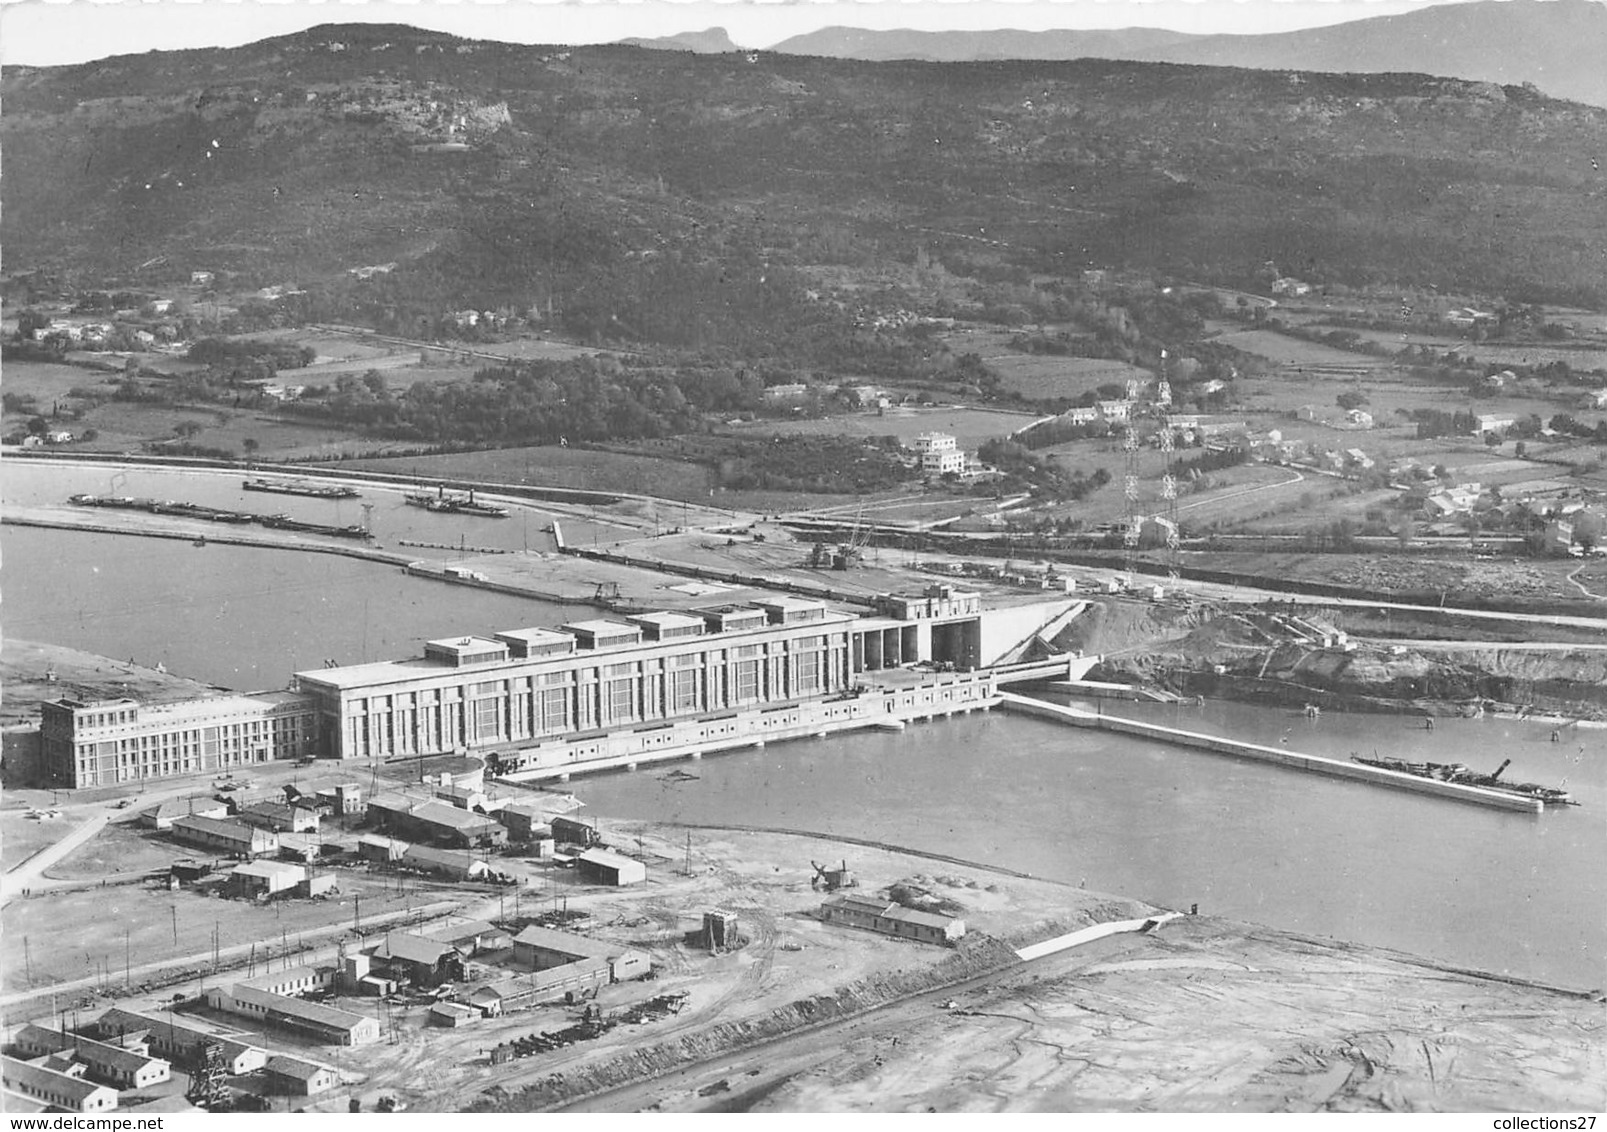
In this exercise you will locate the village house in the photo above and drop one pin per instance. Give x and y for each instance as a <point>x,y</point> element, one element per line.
<point>1116,412</point>
<point>1469,317</point>
<point>1358,418</point>
<point>939,454</point>
<point>785,394</point>
<point>1498,423</point>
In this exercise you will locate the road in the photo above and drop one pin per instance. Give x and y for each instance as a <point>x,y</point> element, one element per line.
<point>1241,493</point>
<point>1521,646</point>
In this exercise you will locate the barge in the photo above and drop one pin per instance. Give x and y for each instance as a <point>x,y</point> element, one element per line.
<point>286,523</point>
<point>298,487</point>
<point>1461,775</point>
<point>215,515</point>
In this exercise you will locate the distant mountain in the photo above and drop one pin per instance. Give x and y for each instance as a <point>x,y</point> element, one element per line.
<point>1558,45</point>
<point>710,41</point>
<point>975,46</point>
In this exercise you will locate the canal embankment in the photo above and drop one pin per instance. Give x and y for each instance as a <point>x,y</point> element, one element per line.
<point>1292,760</point>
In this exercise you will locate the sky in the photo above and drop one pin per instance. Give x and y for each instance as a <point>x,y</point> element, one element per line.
<point>42,32</point>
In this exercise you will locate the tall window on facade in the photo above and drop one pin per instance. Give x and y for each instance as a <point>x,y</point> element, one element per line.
<point>621,700</point>
<point>746,681</point>
<point>487,722</point>
<point>683,691</point>
<point>808,679</point>
<point>555,709</point>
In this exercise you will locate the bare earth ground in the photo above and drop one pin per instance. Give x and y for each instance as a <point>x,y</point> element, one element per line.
<point>1210,1016</point>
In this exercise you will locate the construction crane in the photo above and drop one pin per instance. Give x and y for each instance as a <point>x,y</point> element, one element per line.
<point>832,877</point>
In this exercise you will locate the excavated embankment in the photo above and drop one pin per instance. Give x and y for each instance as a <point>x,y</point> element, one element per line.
<point>1299,657</point>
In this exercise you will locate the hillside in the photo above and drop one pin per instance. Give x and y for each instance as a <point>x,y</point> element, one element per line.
<point>698,199</point>
<point>710,41</point>
<point>1557,45</point>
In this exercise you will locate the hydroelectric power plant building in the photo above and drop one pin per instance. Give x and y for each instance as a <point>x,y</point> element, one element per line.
<point>605,692</point>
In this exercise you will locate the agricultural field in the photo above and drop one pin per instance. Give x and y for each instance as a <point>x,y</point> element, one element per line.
<point>1042,376</point>
<point>970,427</point>
<point>46,381</point>
<point>1280,349</point>
<point>125,427</point>
<point>1236,495</point>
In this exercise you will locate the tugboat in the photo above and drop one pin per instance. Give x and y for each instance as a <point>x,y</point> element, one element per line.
<point>444,504</point>
<point>1462,775</point>
<point>297,487</point>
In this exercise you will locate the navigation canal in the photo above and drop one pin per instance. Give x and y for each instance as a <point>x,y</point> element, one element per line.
<point>1508,893</point>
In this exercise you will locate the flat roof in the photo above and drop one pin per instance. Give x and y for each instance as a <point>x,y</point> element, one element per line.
<point>601,627</point>
<point>664,619</point>
<point>379,672</point>
<point>465,644</point>
<point>787,603</point>
<point>536,636</point>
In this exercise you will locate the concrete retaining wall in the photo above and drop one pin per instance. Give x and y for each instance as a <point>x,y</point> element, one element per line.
<point>1335,768</point>
<point>941,696</point>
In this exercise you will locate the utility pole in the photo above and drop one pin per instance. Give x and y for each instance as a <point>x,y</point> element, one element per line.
<point>687,868</point>
<point>128,963</point>
<point>27,960</point>
<point>174,909</point>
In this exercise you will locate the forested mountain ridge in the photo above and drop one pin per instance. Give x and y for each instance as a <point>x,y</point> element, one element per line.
<point>695,199</point>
